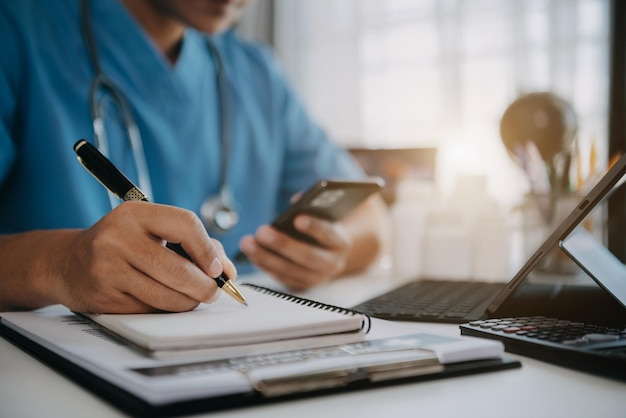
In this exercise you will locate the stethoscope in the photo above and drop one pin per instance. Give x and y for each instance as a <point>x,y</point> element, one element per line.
<point>218,213</point>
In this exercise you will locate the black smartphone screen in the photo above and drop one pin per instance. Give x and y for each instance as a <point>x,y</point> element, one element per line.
<point>327,199</point>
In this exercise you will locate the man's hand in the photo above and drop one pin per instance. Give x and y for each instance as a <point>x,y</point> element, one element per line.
<point>297,264</point>
<point>344,247</point>
<point>119,265</point>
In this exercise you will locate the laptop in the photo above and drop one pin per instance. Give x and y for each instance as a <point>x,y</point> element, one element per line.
<point>460,302</point>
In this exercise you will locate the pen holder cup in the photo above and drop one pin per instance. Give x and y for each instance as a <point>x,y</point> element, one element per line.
<point>541,215</point>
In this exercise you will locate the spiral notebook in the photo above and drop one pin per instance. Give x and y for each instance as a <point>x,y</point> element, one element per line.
<point>272,320</point>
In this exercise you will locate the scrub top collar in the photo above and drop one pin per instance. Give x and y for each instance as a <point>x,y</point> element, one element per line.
<point>111,21</point>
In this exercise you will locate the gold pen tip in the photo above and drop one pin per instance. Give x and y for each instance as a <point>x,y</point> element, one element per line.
<point>230,288</point>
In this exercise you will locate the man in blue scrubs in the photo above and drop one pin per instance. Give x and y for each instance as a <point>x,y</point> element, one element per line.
<point>62,240</point>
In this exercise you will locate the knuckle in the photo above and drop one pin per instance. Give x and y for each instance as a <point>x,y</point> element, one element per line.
<point>179,272</point>
<point>101,241</point>
<point>159,297</point>
<point>206,293</point>
<point>153,255</point>
<point>169,300</point>
<point>190,219</point>
<point>128,209</point>
<point>218,245</point>
<point>312,225</point>
<point>337,267</point>
<point>344,237</point>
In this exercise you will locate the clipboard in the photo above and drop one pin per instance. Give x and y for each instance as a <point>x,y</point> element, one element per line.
<point>324,380</point>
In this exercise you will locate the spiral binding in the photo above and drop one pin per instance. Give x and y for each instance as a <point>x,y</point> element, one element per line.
<point>313,303</point>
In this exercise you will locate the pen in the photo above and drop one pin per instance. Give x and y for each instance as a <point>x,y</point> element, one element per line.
<point>117,183</point>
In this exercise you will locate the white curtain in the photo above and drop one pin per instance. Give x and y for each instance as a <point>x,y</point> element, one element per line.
<point>408,73</point>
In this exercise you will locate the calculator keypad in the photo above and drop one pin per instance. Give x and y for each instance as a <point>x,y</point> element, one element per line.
<point>554,330</point>
<point>581,346</point>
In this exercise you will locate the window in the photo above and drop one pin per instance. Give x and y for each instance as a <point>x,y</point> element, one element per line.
<point>410,73</point>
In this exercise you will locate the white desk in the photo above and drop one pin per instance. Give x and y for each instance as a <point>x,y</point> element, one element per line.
<point>30,389</point>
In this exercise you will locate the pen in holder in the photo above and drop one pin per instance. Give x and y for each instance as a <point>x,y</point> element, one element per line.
<point>539,130</point>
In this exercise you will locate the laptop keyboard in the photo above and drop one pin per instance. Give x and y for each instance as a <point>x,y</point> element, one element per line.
<point>433,301</point>
<point>589,347</point>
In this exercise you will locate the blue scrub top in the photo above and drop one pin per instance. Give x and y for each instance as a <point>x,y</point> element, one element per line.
<point>275,149</point>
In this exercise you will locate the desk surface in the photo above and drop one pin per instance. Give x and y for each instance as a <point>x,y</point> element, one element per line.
<point>28,388</point>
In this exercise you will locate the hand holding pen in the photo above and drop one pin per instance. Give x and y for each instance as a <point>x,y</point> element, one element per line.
<point>203,253</point>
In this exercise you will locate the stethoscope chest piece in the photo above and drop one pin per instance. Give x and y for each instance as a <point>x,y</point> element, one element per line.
<point>218,213</point>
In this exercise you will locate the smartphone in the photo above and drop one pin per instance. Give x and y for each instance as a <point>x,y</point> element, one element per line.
<point>327,199</point>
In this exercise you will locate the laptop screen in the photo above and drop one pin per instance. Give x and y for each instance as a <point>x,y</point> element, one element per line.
<point>597,261</point>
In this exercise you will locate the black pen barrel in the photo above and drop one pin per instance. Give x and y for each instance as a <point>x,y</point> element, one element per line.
<point>102,169</point>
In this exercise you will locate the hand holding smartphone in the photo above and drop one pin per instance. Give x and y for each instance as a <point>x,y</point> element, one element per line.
<point>327,199</point>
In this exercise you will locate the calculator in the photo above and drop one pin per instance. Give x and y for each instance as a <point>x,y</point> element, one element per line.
<point>593,348</point>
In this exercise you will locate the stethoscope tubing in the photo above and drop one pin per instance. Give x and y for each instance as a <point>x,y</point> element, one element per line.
<point>225,200</point>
